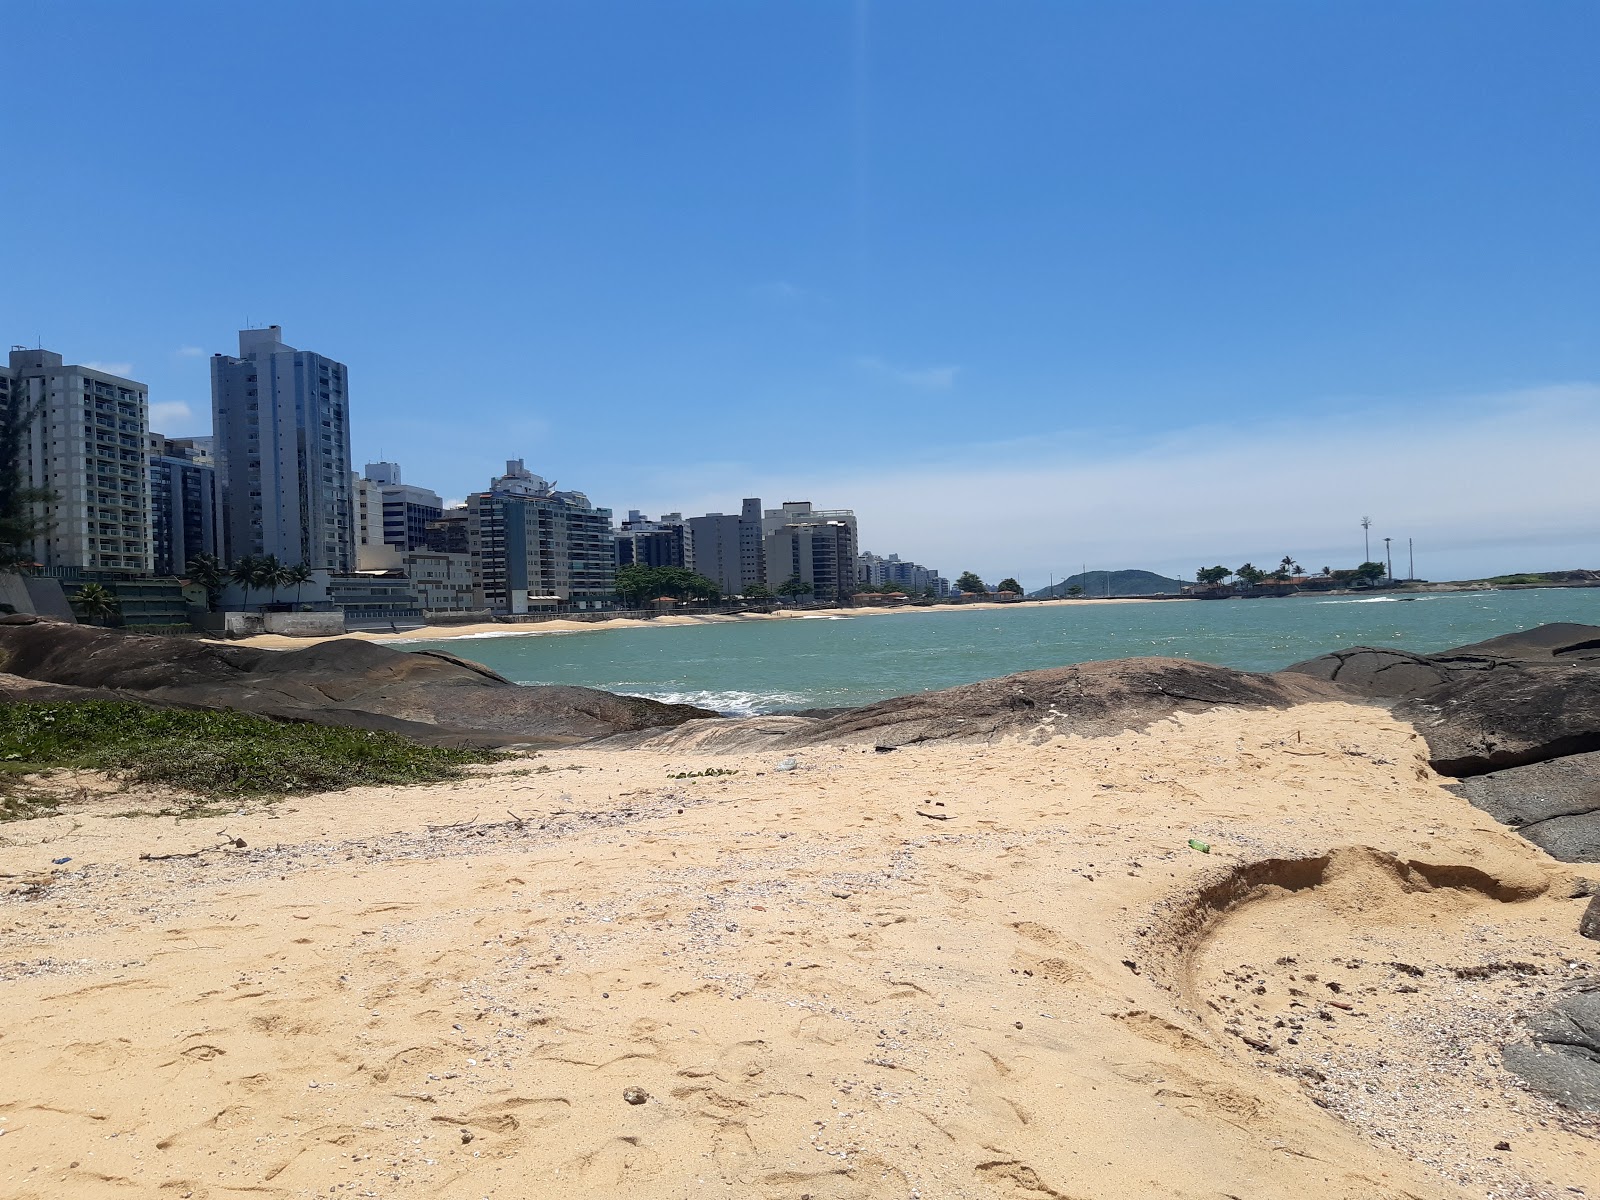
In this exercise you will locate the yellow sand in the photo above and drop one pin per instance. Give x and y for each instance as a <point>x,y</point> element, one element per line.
<point>272,641</point>
<point>818,989</point>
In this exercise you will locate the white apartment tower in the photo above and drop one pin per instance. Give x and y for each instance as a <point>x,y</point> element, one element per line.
<point>89,444</point>
<point>281,424</point>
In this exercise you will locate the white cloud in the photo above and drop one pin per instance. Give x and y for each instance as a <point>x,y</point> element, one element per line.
<point>168,413</point>
<point>1483,485</point>
<point>938,379</point>
<point>124,369</point>
<point>189,352</point>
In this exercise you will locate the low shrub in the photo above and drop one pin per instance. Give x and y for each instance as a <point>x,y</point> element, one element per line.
<point>215,753</point>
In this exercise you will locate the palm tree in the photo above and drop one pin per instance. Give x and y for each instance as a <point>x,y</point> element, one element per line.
<point>269,574</point>
<point>208,572</point>
<point>246,571</point>
<point>96,602</point>
<point>299,575</point>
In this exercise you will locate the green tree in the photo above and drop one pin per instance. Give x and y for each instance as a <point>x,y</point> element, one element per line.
<point>245,572</point>
<point>968,581</point>
<point>96,602</point>
<point>1371,571</point>
<point>21,506</point>
<point>758,591</point>
<point>1250,574</point>
<point>1075,590</point>
<point>1008,584</point>
<point>300,574</point>
<point>207,570</point>
<point>1212,575</point>
<point>795,586</point>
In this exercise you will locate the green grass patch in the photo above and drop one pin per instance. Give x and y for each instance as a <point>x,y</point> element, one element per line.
<point>212,754</point>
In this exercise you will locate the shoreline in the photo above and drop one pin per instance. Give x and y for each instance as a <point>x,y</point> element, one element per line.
<point>498,629</point>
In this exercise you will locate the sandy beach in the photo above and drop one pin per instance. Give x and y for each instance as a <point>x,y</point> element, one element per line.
<point>947,971</point>
<point>508,629</point>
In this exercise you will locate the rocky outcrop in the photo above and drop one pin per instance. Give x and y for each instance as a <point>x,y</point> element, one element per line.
<point>431,696</point>
<point>1090,699</point>
<point>1554,804</point>
<point>1562,1057</point>
<point>1516,719</point>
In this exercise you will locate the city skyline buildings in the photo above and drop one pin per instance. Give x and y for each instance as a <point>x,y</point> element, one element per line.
<point>88,444</point>
<point>281,429</point>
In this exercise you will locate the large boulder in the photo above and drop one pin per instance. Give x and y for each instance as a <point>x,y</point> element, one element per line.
<point>1507,716</point>
<point>1516,718</point>
<point>1554,804</point>
<point>429,695</point>
<point>1562,1056</point>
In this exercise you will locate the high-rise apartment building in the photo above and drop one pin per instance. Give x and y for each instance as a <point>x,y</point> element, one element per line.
<point>407,508</point>
<point>281,423</point>
<point>727,549</point>
<point>88,444</point>
<point>185,516</point>
<point>909,576</point>
<point>821,553</point>
<point>814,557</point>
<point>642,542</point>
<point>535,547</point>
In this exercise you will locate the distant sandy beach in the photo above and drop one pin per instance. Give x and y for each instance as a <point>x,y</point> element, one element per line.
<point>430,633</point>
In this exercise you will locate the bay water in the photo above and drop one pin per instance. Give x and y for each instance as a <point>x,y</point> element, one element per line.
<point>825,662</point>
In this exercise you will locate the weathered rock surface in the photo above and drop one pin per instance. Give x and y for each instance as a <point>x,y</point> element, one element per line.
<point>1589,923</point>
<point>1508,716</point>
<point>1554,804</point>
<point>1089,699</point>
<point>428,695</point>
<point>1562,1058</point>
<point>1517,718</point>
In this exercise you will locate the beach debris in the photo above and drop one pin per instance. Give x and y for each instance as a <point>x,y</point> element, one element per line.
<point>885,749</point>
<point>1502,1145</point>
<point>787,764</point>
<point>635,1095</point>
<point>61,862</point>
<point>1197,844</point>
<point>466,1136</point>
<point>936,816</point>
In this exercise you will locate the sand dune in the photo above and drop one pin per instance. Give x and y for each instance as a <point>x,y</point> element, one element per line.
<point>938,972</point>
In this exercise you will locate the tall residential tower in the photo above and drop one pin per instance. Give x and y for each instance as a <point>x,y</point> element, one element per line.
<point>87,443</point>
<point>281,420</point>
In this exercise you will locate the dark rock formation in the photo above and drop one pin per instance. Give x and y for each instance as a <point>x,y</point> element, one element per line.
<point>1554,804</point>
<point>431,696</point>
<point>1507,716</point>
<point>1589,923</point>
<point>1089,699</point>
<point>1516,717</point>
<point>1562,1060</point>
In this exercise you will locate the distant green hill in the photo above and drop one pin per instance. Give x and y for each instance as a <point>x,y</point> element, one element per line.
<point>1123,583</point>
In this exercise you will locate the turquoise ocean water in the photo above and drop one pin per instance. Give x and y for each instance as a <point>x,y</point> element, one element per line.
<point>773,666</point>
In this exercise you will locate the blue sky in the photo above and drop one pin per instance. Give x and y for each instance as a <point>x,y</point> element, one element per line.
<point>1027,284</point>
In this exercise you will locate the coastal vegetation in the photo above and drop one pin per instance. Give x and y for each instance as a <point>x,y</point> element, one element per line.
<point>206,754</point>
<point>969,581</point>
<point>638,585</point>
<point>96,603</point>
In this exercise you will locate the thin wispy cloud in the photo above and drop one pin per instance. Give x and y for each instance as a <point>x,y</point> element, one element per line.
<point>189,352</point>
<point>124,369</point>
<point>1483,484</point>
<point>935,379</point>
<point>167,414</point>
